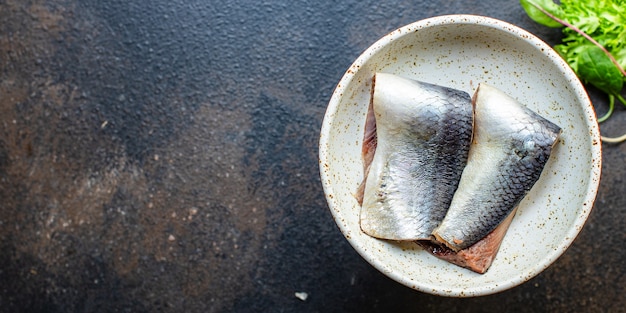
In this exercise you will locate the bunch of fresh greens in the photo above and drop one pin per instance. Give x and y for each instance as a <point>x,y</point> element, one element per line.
<point>594,43</point>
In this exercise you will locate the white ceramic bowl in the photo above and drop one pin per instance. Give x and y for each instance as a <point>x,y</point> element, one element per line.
<point>461,51</point>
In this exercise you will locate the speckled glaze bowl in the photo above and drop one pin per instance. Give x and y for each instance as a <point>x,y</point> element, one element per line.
<point>461,51</point>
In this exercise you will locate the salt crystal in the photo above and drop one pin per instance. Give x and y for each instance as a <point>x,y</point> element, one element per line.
<point>302,295</point>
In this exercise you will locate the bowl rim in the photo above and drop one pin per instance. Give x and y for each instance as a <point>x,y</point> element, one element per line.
<point>582,97</point>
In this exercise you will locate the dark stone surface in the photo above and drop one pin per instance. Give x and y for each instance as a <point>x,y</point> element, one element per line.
<point>162,157</point>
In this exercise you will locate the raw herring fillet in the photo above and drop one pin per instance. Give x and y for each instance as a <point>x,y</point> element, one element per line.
<point>423,134</point>
<point>510,148</point>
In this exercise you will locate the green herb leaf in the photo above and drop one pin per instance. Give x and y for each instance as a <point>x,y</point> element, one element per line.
<point>596,68</point>
<point>530,6</point>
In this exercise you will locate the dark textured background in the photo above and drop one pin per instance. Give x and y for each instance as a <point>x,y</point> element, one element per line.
<point>161,156</point>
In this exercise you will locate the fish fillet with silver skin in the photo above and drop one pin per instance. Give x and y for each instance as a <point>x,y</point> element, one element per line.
<point>510,148</point>
<point>423,135</point>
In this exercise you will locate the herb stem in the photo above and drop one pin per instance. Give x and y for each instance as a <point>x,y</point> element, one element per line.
<point>614,139</point>
<point>621,99</point>
<point>602,119</point>
<point>611,107</point>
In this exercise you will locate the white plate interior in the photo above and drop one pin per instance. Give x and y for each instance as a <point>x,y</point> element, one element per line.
<point>461,51</point>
